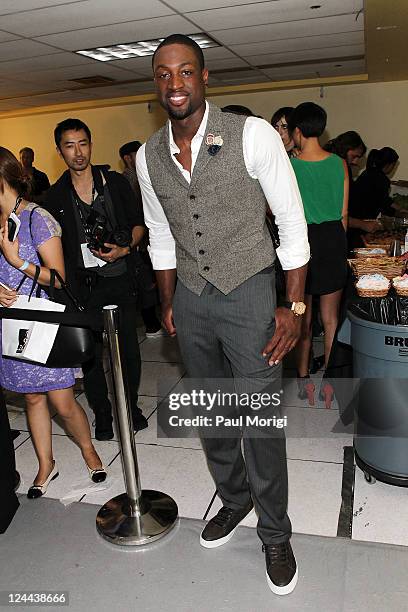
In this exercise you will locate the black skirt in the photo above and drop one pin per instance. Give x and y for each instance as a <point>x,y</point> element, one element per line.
<point>327,270</point>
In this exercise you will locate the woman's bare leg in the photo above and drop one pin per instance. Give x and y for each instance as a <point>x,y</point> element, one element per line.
<point>39,422</point>
<point>329,311</point>
<point>76,424</point>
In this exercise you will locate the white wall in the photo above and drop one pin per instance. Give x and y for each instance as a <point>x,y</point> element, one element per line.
<point>378,111</point>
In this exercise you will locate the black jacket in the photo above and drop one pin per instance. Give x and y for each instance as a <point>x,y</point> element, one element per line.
<point>58,202</point>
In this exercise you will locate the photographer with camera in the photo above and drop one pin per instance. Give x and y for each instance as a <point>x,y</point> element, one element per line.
<point>101,224</point>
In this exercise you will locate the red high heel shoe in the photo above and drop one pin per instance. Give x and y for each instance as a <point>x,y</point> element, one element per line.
<point>326,394</point>
<point>306,389</point>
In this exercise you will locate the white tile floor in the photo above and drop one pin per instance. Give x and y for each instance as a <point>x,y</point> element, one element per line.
<point>178,466</point>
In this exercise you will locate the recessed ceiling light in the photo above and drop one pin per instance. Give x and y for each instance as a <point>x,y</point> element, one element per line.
<point>141,48</point>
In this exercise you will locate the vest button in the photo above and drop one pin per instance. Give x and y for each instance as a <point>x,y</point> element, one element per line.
<point>195,216</point>
<point>206,268</point>
<point>199,234</point>
<point>192,197</point>
<point>201,252</point>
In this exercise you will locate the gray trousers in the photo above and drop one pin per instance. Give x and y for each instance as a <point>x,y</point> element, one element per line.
<point>220,336</point>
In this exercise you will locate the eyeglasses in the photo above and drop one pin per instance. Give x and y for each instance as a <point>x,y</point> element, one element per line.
<point>282,126</point>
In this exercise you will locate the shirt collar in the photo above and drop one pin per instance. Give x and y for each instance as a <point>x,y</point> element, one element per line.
<point>199,134</point>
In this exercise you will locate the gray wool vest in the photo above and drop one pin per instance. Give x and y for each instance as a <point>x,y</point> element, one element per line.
<point>218,220</point>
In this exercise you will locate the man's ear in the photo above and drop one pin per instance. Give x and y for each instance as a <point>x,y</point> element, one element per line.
<point>205,76</point>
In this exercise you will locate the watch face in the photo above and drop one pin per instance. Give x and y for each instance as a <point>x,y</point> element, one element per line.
<point>299,308</point>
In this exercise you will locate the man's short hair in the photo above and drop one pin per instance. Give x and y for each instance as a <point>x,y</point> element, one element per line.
<point>26,150</point>
<point>129,148</point>
<point>70,124</point>
<point>310,118</point>
<point>182,39</point>
<point>237,109</point>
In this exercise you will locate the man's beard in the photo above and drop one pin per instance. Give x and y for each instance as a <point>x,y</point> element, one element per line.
<point>78,167</point>
<point>178,113</point>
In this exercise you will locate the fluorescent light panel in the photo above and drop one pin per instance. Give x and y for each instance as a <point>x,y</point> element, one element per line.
<point>139,49</point>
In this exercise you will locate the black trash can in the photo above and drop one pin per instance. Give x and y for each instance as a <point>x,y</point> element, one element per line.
<point>381,420</point>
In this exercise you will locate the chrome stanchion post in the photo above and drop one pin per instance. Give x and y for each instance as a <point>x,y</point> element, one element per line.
<point>136,517</point>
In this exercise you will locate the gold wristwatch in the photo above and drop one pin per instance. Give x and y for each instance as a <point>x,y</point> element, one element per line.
<point>298,308</point>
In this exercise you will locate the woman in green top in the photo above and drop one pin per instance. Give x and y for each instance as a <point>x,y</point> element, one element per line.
<point>323,183</point>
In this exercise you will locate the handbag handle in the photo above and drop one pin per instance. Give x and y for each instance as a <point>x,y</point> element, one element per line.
<point>53,275</point>
<point>33,285</point>
<point>56,275</point>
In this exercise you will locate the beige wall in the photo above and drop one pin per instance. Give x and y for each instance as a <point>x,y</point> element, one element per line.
<point>378,111</point>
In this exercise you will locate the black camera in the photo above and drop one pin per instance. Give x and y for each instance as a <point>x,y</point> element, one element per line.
<point>97,233</point>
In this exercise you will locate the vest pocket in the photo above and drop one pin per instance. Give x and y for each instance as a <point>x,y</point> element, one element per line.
<point>246,242</point>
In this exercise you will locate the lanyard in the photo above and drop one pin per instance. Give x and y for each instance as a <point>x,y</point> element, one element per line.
<point>19,199</point>
<point>79,208</point>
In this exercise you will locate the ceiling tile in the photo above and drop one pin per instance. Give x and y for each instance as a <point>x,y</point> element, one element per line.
<point>288,8</point>
<point>217,53</point>
<point>284,73</point>
<point>143,65</point>
<point>56,75</point>
<point>43,62</point>
<point>242,74</point>
<point>231,79</point>
<point>119,33</point>
<point>297,44</point>
<point>11,6</point>
<point>222,64</point>
<point>17,49</point>
<point>89,13</point>
<point>15,88</point>
<point>11,105</point>
<point>140,65</point>
<point>294,29</point>
<point>271,12</point>
<point>197,5</point>
<point>6,36</point>
<point>309,54</point>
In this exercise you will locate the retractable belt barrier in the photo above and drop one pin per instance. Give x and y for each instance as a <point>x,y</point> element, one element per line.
<point>137,516</point>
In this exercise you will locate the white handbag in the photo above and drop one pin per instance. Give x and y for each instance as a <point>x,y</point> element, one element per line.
<point>30,340</point>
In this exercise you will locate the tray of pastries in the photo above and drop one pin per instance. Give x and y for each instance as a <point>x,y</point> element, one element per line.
<point>389,267</point>
<point>373,285</point>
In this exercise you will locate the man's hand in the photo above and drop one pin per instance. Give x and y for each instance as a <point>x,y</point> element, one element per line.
<point>167,320</point>
<point>286,335</point>
<point>116,252</point>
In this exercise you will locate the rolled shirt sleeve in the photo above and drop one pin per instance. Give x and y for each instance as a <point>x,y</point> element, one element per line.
<point>162,247</point>
<point>266,160</point>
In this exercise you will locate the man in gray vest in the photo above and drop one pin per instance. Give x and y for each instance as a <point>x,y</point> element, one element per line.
<point>207,178</point>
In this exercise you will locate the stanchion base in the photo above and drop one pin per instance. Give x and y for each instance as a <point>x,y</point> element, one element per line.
<point>158,514</point>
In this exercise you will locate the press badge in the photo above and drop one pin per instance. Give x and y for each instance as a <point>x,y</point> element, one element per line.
<point>89,259</point>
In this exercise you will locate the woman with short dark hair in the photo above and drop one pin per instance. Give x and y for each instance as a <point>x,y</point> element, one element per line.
<point>323,183</point>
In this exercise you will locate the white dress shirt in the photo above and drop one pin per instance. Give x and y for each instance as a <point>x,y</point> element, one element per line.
<point>266,160</point>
